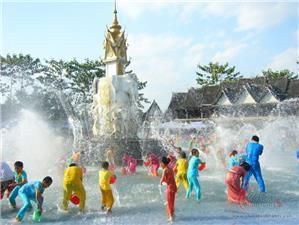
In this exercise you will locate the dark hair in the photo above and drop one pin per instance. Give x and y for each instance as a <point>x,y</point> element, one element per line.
<point>183,155</point>
<point>19,164</point>
<point>233,153</point>
<point>105,165</point>
<point>72,164</point>
<point>255,138</point>
<point>179,149</point>
<point>165,160</point>
<point>194,151</point>
<point>48,180</point>
<point>246,166</point>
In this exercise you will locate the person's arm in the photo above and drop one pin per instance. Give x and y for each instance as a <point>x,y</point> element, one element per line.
<point>81,174</point>
<point>162,177</point>
<point>243,173</point>
<point>175,170</point>
<point>262,148</point>
<point>24,179</point>
<point>39,200</point>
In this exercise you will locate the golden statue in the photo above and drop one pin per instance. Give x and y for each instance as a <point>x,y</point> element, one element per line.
<point>115,45</point>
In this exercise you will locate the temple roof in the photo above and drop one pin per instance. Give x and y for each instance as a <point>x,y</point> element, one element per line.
<point>153,111</point>
<point>258,88</point>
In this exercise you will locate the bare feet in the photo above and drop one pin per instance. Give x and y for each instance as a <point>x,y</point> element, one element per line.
<point>15,221</point>
<point>170,219</point>
<point>109,211</point>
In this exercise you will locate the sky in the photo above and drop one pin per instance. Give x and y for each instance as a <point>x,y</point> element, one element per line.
<point>167,39</point>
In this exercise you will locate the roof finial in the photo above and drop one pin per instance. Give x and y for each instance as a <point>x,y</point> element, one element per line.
<point>115,11</point>
<point>115,27</point>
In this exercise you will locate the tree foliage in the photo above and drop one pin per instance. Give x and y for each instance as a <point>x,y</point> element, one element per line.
<point>56,88</point>
<point>215,73</point>
<point>280,74</point>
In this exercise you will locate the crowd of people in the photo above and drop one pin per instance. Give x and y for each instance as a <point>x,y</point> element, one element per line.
<point>177,167</point>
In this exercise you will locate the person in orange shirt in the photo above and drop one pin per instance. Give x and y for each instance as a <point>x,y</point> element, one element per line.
<point>72,183</point>
<point>104,182</point>
<point>168,178</point>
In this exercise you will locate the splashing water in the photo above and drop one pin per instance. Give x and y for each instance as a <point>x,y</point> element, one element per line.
<point>33,142</point>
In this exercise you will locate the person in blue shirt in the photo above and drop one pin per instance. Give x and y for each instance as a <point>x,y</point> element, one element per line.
<point>233,159</point>
<point>32,191</point>
<point>253,151</point>
<point>298,161</point>
<point>20,177</point>
<point>192,174</point>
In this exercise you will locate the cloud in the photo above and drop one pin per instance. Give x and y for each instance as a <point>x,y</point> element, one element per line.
<point>263,15</point>
<point>228,53</point>
<point>248,15</point>
<point>194,54</point>
<point>285,60</point>
<point>164,61</point>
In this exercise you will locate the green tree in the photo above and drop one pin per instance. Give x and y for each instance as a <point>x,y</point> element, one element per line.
<point>215,73</point>
<point>280,74</point>
<point>18,82</point>
<point>18,73</point>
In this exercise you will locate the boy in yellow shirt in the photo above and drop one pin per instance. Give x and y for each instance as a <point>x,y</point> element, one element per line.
<point>72,183</point>
<point>181,171</point>
<point>104,183</point>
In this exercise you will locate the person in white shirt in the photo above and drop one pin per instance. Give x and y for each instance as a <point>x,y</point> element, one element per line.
<point>6,177</point>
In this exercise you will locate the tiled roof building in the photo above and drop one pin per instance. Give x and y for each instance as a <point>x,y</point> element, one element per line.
<point>245,97</point>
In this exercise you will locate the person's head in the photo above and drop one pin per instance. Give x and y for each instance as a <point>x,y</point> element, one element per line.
<point>164,161</point>
<point>105,165</point>
<point>76,155</point>
<point>246,166</point>
<point>255,138</point>
<point>47,181</point>
<point>179,149</point>
<point>72,164</point>
<point>18,166</point>
<point>125,156</point>
<point>195,152</point>
<point>183,155</point>
<point>233,153</point>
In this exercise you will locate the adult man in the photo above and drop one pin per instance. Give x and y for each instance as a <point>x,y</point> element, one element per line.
<point>253,151</point>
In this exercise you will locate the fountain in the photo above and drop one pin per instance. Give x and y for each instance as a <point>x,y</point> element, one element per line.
<point>115,111</point>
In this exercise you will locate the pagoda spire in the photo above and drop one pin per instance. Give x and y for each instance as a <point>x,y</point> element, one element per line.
<point>115,45</point>
<point>115,27</point>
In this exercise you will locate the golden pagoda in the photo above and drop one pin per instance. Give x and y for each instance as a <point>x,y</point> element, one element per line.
<point>115,45</point>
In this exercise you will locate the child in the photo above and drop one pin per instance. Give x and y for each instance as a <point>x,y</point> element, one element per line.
<point>32,191</point>
<point>20,179</point>
<point>104,183</point>
<point>192,174</point>
<point>152,161</point>
<point>131,163</point>
<point>233,159</point>
<point>6,177</point>
<point>172,159</point>
<point>168,178</point>
<point>181,168</point>
<point>72,183</point>
<point>235,193</point>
